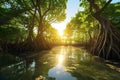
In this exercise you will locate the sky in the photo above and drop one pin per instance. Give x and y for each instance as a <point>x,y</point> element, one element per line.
<point>114,1</point>
<point>72,9</point>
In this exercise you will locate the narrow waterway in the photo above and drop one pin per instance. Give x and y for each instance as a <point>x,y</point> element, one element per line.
<point>59,63</point>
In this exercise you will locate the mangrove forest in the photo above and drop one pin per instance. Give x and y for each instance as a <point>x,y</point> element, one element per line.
<point>59,40</point>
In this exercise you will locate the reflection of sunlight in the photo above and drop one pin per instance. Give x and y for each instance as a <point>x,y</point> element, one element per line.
<point>72,56</point>
<point>60,59</point>
<point>61,56</point>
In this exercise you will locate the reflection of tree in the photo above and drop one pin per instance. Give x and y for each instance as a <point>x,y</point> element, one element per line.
<point>42,65</point>
<point>19,70</point>
<point>86,67</point>
<point>77,62</point>
<point>41,68</point>
<point>15,68</point>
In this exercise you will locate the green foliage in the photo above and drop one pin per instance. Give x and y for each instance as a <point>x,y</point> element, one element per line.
<point>12,33</point>
<point>10,9</point>
<point>69,30</point>
<point>53,10</point>
<point>82,27</point>
<point>113,13</point>
<point>14,30</point>
<point>18,18</point>
<point>50,34</point>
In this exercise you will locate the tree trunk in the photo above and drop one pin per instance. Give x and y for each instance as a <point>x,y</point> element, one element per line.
<point>40,41</point>
<point>107,45</point>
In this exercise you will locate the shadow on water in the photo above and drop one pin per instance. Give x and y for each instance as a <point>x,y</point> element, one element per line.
<point>60,63</point>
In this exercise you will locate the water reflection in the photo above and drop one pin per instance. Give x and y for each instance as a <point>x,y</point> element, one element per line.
<point>16,68</point>
<point>61,55</point>
<point>59,73</point>
<point>60,63</point>
<point>60,59</point>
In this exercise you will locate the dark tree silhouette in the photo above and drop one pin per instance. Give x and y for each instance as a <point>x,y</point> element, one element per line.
<point>107,44</point>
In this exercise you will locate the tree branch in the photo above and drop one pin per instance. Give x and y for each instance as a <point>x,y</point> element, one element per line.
<point>105,6</point>
<point>49,7</point>
<point>92,4</point>
<point>96,7</point>
<point>38,4</point>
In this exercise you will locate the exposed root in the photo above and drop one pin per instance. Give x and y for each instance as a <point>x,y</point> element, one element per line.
<point>108,41</point>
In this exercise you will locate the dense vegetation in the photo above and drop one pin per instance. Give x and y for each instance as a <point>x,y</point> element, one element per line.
<point>25,25</point>
<point>97,28</point>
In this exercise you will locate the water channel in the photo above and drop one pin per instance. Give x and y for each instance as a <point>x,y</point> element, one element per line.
<point>59,63</point>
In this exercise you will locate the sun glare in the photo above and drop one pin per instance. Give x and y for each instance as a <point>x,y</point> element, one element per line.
<point>60,59</point>
<point>60,27</point>
<point>61,33</point>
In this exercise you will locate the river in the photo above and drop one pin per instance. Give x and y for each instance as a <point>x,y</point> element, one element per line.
<point>59,63</point>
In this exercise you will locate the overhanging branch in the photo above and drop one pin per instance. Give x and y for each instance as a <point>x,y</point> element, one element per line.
<point>105,6</point>
<point>49,7</point>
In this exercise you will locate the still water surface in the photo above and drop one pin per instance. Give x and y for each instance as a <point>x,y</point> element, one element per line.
<point>59,63</point>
